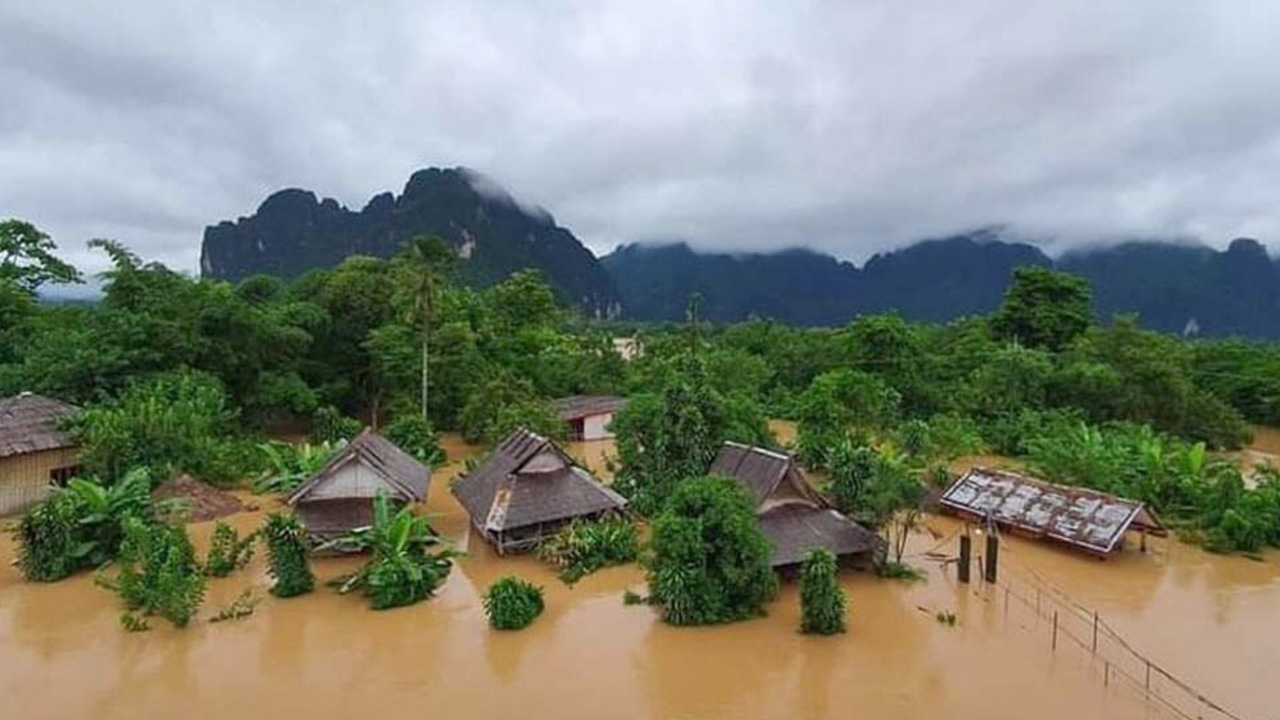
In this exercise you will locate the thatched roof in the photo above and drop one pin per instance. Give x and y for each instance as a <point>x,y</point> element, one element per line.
<point>527,480</point>
<point>576,407</point>
<point>29,423</point>
<point>796,529</point>
<point>404,478</point>
<point>791,514</point>
<point>1087,519</point>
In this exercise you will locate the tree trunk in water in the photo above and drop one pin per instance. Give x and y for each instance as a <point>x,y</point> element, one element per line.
<point>425,330</point>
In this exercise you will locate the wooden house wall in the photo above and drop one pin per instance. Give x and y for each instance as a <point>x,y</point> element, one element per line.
<point>353,480</point>
<point>24,479</point>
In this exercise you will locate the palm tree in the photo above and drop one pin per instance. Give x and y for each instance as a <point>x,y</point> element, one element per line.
<point>429,257</point>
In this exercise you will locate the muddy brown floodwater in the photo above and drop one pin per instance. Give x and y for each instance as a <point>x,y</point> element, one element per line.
<point>1210,619</point>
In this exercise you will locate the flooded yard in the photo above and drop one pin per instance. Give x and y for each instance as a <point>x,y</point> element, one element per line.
<point>1210,619</point>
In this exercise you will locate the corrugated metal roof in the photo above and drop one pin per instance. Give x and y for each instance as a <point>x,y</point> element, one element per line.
<point>576,407</point>
<point>1081,517</point>
<point>400,469</point>
<point>29,423</point>
<point>507,492</point>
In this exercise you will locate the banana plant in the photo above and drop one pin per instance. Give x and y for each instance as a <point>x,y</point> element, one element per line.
<point>288,466</point>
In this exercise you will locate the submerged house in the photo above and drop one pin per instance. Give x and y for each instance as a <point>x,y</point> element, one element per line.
<point>1077,517</point>
<point>339,497</point>
<point>527,489</point>
<point>35,454</point>
<point>588,416</point>
<point>791,514</point>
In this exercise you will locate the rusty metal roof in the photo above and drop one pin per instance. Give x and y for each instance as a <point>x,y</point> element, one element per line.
<point>1084,518</point>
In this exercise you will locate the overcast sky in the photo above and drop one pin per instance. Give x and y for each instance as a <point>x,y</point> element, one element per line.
<point>851,127</point>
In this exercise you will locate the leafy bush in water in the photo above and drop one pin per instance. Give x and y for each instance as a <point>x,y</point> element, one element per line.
<point>822,601</point>
<point>177,422</point>
<point>227,550</point>
<point>584,546</point>
<point>80,526</point>
<point>242,607</point>
<point>287,553</point>
<point>709,561</point>
<point>400,571</point>
<point>414,434</point>
<point>328,425</point>
<point>288,466</point>
<point>513,603</point>
<point>159,574</point>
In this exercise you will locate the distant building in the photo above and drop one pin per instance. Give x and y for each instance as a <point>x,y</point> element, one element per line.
<point>527,489</point>
<point>628,347</point>
<point>791,514</point>
<point>588,416</point>
<point>339,497</point>
<point>35,454</point>
<point>1077,517</point>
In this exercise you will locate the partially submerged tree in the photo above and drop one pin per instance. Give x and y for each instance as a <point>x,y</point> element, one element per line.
<point>709,562</point>
<point>287,556</point>
<point>400,571</point>
<point>513,603</point>
<point>822,600</point>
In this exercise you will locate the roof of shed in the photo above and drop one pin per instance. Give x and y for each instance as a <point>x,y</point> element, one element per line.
<point>1088,519</point>
<point>795,529</point>
<point>576,407</point>
<point>398,468</point>
<point>29,423</point>
<point>760,470</point>
<point>503,495</point>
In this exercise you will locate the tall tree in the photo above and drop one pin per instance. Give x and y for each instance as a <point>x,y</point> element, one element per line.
<point>27,259</point>
<point>1044,308</point>
<point>428,257</point>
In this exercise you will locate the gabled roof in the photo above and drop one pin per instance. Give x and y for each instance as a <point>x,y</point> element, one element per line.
<point>761,471</point>
<point>1084,518</point>
<point>29,423</point>
<point>795,530</point>
<point>407,478</point>
<point>576,407</point>
<point>508,490</point>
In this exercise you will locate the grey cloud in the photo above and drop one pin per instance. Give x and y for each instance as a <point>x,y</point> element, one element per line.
<point>849,127</point>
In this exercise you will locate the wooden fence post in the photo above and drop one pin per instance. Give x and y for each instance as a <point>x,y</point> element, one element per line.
<point>993,556</point>
<point>1095,632</point>
<point>1053,645</point>
<point>966,550</point>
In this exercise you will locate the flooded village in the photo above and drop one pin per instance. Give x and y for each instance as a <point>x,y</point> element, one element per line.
<point>1208,618</point>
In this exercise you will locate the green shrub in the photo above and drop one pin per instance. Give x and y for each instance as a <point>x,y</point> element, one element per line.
<point>330,425</point>
<point>709,562</point>
<point>80,526</point>
<point>288,560</point>
<point>227,550</point>
<point>400,571</point>
<point>414,434</point>
<point>584,546</point>
<point>159,574</point>
<point>512,603</point>
<point>822,600</point>
<point>242,607</point>
<point>288,466</point>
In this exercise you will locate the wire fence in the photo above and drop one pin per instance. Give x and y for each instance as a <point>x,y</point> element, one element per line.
<point>1070,624</point>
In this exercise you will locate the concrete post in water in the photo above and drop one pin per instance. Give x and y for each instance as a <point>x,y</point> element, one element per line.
<point>962,569</point>
<point>1095,632</point>
<point>1053,644</point>
<point>993,552</point>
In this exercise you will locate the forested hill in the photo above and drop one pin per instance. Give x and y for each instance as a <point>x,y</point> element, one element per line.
<point>1230,292</point>
<point>293,232</point>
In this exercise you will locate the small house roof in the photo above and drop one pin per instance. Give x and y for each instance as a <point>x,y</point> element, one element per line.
<point>795,530</point>
<point>793,516</point>
<point>510,490</point>
<point>29,423</point>
<point>408,478</point>
<point>1084,518</point>
<point>576,407</point>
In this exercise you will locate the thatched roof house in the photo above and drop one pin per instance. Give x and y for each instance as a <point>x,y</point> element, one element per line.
<point>339,497</point>
<point>34,452</point>
<point>588,416</point>
<point>1077,517</point>
<point>791,514</point>
<point>526,489</point>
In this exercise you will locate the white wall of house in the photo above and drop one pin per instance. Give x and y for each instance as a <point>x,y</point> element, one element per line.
<point>354,479</point>
<point>595,427</point>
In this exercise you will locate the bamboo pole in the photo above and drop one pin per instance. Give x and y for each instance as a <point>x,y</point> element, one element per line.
<point>1053,645</point>
<point>1095,632</point>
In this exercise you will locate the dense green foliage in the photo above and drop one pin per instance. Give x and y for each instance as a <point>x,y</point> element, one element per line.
<point>708,561</point>
<point>288,466</point>
<point>400,571</point>
<point>159,573</point>
<point>822,600</point>
<point>288,561</point>
<point>227,550</point>
<point>413,434</point>
<point>584,546</point>
<point>80,526</point>
<point>512,603</point>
